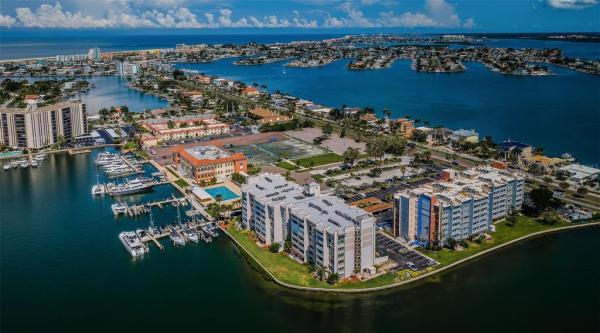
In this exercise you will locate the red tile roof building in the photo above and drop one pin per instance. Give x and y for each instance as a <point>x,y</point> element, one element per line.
<point>207,163</point>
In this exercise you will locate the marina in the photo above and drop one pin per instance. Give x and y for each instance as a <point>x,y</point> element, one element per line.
<point>119,208</point>
<point>118,165</point>
<point>137,242</point>
<point>32,161</point>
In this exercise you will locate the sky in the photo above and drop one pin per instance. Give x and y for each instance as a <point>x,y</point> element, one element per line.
<point>409,15</point>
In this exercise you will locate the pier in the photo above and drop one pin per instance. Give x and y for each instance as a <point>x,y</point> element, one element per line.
<point>206,231</point>
<point>144,208</point>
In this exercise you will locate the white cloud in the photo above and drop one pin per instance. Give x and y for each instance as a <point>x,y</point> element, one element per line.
<point>571,4</point>
<point>49,16</point>
<point>469,23</point>
<point>7,21</point>
<point>437,13</point>
<point>407,20</point>
<point>131,14</point>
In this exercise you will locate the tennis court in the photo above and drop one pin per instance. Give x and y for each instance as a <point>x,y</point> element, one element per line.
<point>268,152</point>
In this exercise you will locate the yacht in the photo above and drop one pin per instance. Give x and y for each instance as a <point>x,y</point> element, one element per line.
<point>190,235</point>
<point>33,163</point>
<point>119,208</point>
<point>40,157</point>
<point>6,166</point>
<point>176,237</point>
<point>14,164</point>
<point>130,187</point>
<point>133,244</point>
<point>24,164</point>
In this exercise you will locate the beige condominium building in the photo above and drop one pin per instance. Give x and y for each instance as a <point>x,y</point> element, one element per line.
<point>36,127</point>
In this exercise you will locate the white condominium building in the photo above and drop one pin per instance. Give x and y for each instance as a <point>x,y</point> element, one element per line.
<point>265,199</point>
<point>324,230</point>
<point>327,232</point>
<point>462,204</point>
<point>38,127</point>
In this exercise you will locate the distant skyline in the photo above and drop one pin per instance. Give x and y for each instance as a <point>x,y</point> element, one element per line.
<point>305,15</point>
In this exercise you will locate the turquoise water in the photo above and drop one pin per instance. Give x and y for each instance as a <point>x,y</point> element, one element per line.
<point>11,153</point>
<point>561,113</point>
<point>223,191</point>
<point>63,269</point>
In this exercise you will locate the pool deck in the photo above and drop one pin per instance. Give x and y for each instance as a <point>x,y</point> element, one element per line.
<point>231,186</point>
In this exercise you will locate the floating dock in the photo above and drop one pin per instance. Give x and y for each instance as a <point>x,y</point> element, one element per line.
<point>206,231</point>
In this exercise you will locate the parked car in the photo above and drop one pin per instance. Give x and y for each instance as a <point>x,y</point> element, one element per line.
<point>412,266</point>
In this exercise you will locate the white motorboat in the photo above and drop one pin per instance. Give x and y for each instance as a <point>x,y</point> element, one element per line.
<point>119,208</point>
<point>98,189</point>
<point>33,163</point>
<point>6,166</point>
<point>176,237</point>
<point>133,244</point>
<point>24,164</point>
<point>130,187</point>
<point>190,235</point>
<point>40,157</point>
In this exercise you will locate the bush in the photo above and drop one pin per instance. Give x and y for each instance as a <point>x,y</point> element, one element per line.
<point>333,278</point>
<point>275,247</point>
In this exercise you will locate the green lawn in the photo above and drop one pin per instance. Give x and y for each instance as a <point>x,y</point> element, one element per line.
<point>319,160</point>
<point>503,234</point>
<point>182,183</point>
<point>290,271</point>
<point>282,267</point>
<point>286,165</point>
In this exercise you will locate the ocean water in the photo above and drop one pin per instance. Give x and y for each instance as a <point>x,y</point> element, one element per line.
<point>63,269</point>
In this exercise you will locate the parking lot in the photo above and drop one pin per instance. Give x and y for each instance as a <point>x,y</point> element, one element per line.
<point>401,254</point>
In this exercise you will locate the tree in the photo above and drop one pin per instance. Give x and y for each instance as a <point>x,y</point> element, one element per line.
<point>274,247</point>
<point>512,217</point>
<point>333,278</point>
<point>321,272</point>
<point>171,124</point>
<point>550,217</point>
<point>375,150</point>
<point>287,245</point>
<point>564,185</point>
<point>582,190</point>
<point>451,243</point>
<point>351,155</point>
<point>327,128</point>
<point>238,178</point>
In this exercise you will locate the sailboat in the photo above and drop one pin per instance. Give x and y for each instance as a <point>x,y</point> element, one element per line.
<point>175,235</point>
<point>98,188</point>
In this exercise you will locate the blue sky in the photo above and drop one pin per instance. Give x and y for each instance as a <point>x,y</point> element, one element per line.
<point>405,15</point>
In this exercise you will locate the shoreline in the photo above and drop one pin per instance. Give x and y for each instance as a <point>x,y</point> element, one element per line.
<point>412,280</point>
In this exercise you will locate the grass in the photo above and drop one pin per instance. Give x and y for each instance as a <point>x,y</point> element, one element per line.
<point>503,234</point>
<point>319,160</point>
<point>282,267</point>
<point>182,183</point>
<point>286,165</point>
<point>291,272</point>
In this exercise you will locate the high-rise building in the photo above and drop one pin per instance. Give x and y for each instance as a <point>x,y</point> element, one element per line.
<point>460,205</point>
<point>125,68</point>
<point>35,127</point>
<point>94,54</point>
<point>324,231</point>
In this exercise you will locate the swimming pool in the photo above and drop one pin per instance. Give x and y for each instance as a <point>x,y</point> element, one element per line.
<point>223,191</point>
